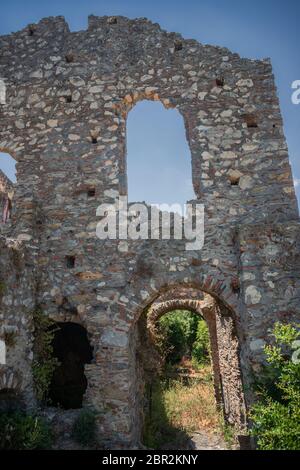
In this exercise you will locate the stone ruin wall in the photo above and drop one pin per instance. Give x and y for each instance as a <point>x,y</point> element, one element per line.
<point>17,298</point>
<point>68,96</point>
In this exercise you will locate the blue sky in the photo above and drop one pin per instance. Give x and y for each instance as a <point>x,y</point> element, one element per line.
<point>254,29</point>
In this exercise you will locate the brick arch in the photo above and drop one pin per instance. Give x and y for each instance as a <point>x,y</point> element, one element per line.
<point>157,311</point>
<point>131,99</point>
<point>219,287</point>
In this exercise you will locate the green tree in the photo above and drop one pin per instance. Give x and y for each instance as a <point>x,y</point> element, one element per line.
<point>178,331</point>
<point>201,347</point>
<point>276,416</point>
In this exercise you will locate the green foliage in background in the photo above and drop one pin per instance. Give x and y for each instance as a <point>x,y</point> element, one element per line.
<point>276,416</point>
<point>201,346</point>
<point>183,333</point>
<point>44,364</point>
<point>19,431</point>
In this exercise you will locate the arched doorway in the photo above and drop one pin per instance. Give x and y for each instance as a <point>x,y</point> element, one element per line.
<point>181,410</point>
<point>224,342</point>
<point>72,349</point>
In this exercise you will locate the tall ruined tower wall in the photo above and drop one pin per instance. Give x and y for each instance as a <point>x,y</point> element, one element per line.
<point>68,97</point>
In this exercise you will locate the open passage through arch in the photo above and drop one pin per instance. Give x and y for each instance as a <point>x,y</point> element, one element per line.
<point>224,341</point>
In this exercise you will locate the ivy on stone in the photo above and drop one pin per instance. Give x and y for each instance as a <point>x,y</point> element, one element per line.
<point>44,363</point>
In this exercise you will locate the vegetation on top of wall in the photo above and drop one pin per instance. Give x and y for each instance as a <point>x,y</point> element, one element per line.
<point>276,415</point>
<point>84,428</point>
<point>44,363</point>
<point>19,431</point>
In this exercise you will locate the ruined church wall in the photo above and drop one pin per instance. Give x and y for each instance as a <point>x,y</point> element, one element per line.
<point>68,97</point>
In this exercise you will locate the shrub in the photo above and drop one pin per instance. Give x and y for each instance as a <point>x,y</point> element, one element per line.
<point>182,333</point>
<point>178,331</point>
<point>84,428</point>
<point>201,347</point>
<point>19,431</point>
<point>276,416</point>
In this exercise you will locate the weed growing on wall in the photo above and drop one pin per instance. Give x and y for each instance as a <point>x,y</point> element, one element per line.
<point>19,431</point>
<point>44,363</point>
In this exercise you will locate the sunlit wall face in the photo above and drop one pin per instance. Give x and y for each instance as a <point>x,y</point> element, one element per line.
<point>255,29</point>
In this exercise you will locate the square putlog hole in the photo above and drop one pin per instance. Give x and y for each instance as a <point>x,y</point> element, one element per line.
<point>251,121</point>
<point>70,261</point>
<point>91,192</point>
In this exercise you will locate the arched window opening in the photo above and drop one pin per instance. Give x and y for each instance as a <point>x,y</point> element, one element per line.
<point>158,156</point>
<point>72,349</point>
<point>7,181</point>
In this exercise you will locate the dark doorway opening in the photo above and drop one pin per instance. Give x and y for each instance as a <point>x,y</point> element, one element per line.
<point>73,350</point>
<point>10,401</point>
